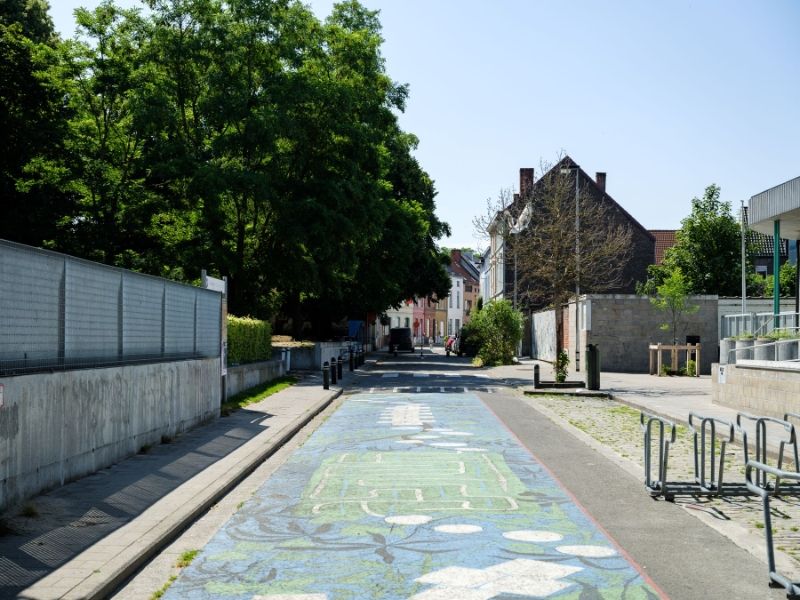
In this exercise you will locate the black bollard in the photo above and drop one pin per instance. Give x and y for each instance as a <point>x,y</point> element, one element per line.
<point>339,368</point>
<point>352,361</point>
<point>326,385</point>
<point>333,369</point>
<point>535,376</point>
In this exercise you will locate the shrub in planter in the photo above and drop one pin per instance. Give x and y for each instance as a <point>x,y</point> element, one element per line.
<point>249,340</point>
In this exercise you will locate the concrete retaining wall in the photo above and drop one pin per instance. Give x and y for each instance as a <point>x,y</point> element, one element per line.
<point>310,358</point>
<point>56,427</point>
<point>757,388</point>
<point>243,377</point>
<point>543,335</point>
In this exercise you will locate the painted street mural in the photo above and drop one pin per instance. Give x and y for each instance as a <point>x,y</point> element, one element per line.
<point>414,496</point>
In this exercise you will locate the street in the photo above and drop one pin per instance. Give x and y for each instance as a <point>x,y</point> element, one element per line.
<point>405,493</point>
<point>434,480</point>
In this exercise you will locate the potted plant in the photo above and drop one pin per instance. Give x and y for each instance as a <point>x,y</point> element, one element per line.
<point>744,346</point>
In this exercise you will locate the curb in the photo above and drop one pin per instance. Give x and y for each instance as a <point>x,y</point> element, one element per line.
<point>163,531</point>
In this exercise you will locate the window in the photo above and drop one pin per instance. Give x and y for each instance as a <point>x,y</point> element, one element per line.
<point>458,284</point>
<point>407,321</point>
<point>458,325</point>
<point>449,326</point>
<point>458,299</point>
<point>451,300</point>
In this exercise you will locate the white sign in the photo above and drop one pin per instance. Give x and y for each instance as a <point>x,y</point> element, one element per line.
<point>722,374</point>
<point>214,284</point>
<point>1,395</point>
<point>223,357</point>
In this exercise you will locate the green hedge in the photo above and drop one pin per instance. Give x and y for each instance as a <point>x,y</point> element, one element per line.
<point>249,340</point>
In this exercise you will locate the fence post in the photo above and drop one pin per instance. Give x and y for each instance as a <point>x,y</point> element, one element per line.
<point>333,369</point>
<point>535,376</point>
<point>339,368</point>
<point>325,376</point>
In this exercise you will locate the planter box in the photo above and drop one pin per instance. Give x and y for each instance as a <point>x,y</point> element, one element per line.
<point>742,351</point>
<point>725,354</point>
<point>764,349</point>
<point>787,350</point>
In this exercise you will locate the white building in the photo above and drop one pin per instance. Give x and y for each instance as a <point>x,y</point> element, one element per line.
<point>455,303</point>
<point>402,316</point>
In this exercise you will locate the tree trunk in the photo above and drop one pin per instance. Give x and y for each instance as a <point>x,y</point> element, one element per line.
<point>559,331</point>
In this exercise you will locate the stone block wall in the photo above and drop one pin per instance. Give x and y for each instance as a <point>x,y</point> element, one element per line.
<point>623,326</point>
<point>770,391</point>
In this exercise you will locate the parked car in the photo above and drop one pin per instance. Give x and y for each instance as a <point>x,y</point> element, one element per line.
<point>400,340</point>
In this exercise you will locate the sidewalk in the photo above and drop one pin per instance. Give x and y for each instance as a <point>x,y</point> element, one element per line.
<point>83,539</point>
<point>670,397</point>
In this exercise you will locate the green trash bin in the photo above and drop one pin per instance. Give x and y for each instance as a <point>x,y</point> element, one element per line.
<point>592,367</point>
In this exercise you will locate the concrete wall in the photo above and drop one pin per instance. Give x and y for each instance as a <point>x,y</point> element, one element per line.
<point>624,325</point>
<point>543,335</point>
<point>770,391</point>
<point>310,358</point>
<point>243,377</point>
<point>56,427</point>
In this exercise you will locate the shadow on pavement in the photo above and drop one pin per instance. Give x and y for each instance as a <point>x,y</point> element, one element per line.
<point>66,521</point>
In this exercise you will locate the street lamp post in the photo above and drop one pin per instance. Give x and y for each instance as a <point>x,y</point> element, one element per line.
<point>577,170</point>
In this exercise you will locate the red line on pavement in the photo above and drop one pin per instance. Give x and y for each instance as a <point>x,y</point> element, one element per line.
<point>582,508</point>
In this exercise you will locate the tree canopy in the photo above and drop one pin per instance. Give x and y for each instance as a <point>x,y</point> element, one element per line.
<point>707,250</point>
<point>247,137</point>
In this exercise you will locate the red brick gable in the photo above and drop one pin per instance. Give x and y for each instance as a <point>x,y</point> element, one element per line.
<point>665,239</point>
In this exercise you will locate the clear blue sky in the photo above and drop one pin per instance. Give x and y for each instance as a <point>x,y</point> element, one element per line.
<point>666,97</point>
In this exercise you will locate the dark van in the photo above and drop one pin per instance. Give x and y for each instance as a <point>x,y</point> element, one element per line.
<point>400,340</point>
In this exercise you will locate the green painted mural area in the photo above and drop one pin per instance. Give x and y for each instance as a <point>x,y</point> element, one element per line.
<point>380,484</point>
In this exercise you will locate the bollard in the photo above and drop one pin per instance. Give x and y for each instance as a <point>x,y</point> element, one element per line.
<point>326,376</point>
<point>352,360</point>
<point>333,369</point>
<point>535,376</point>
<point>339,368</point>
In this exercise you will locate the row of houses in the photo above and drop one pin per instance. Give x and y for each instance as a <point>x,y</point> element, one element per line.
<point>432,319</point>
<point>494,274</point>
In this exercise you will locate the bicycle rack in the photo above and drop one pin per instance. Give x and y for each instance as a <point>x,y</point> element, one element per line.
<point>709,460</point>
<point>761,447</point>
<point>762,470</point>
<point>656,487</point>
<point>708,431</point>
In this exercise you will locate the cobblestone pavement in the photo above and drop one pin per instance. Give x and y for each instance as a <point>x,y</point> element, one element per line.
<point>616,426</point>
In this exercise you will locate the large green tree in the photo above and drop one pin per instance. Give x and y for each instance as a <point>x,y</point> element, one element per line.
<point>707,250</point>
<point>32,122</point>
<point>249,138</point>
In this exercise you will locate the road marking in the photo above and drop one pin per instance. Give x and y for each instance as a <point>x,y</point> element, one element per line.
<point>522,576</point>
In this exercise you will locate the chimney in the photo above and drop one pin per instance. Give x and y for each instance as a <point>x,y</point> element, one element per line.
<point>525,183</point>
<point>600,179</point>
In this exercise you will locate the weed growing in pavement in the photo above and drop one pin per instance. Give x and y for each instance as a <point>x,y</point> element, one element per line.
<point>186,558</point>
<point>159,593</point>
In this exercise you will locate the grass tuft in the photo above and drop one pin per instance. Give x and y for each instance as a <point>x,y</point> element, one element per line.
<point>186,558</point>
<point>256,394</point>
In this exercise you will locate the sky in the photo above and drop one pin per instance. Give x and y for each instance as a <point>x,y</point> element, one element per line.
<point>665,97</point>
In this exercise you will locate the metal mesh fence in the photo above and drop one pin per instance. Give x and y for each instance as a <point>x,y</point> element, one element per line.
<point>60,312</point>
